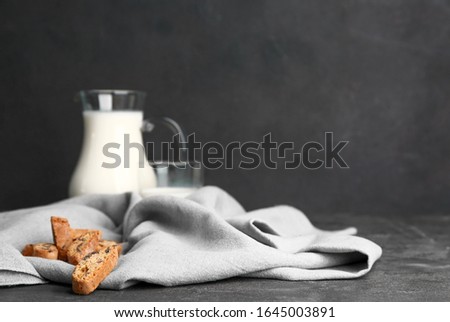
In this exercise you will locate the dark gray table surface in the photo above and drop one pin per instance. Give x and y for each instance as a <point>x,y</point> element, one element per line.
<point>415,266</point>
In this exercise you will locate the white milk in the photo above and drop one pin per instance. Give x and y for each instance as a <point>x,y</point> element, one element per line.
<point>100,128</point>
<point>181,192</point>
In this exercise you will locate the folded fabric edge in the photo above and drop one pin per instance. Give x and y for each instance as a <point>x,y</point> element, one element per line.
<point>370,252</point>
<point>295,274</point>
<point>16,278</point>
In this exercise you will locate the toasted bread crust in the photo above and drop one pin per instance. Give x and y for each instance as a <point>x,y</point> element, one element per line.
<point>28,250</point>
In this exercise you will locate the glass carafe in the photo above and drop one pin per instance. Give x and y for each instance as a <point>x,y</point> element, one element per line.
<point>112,158</point>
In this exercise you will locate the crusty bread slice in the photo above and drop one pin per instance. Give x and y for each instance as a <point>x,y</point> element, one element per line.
<point>62,237</point>
<point>43,250</point>
<point>82,246</point>
<point>93,269</point>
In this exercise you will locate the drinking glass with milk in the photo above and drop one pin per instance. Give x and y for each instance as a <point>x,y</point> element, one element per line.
<point>112,158</point>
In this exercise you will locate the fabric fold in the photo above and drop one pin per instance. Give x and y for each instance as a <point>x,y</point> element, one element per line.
<point>169,241</point>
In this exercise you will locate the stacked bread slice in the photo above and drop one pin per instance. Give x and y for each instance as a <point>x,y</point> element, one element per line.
<point>93,257</point>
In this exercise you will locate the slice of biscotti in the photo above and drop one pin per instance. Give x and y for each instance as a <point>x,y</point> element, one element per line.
<point>82,246</point>
<point>93,269</point>
<point>62,237</point>
<point>43,250</point>
<point>77,232</point>
<point>27,250</point>
<point>106,243</point>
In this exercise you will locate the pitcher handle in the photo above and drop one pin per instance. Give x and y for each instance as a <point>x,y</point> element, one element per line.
<point>149,124</point>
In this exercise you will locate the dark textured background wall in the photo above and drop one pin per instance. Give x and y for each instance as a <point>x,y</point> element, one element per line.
<point>376,73</point>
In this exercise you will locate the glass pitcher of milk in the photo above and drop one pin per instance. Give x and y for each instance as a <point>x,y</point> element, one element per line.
<point>112,158</point>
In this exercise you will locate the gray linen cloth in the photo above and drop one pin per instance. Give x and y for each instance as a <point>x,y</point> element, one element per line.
<point>169,241</point>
